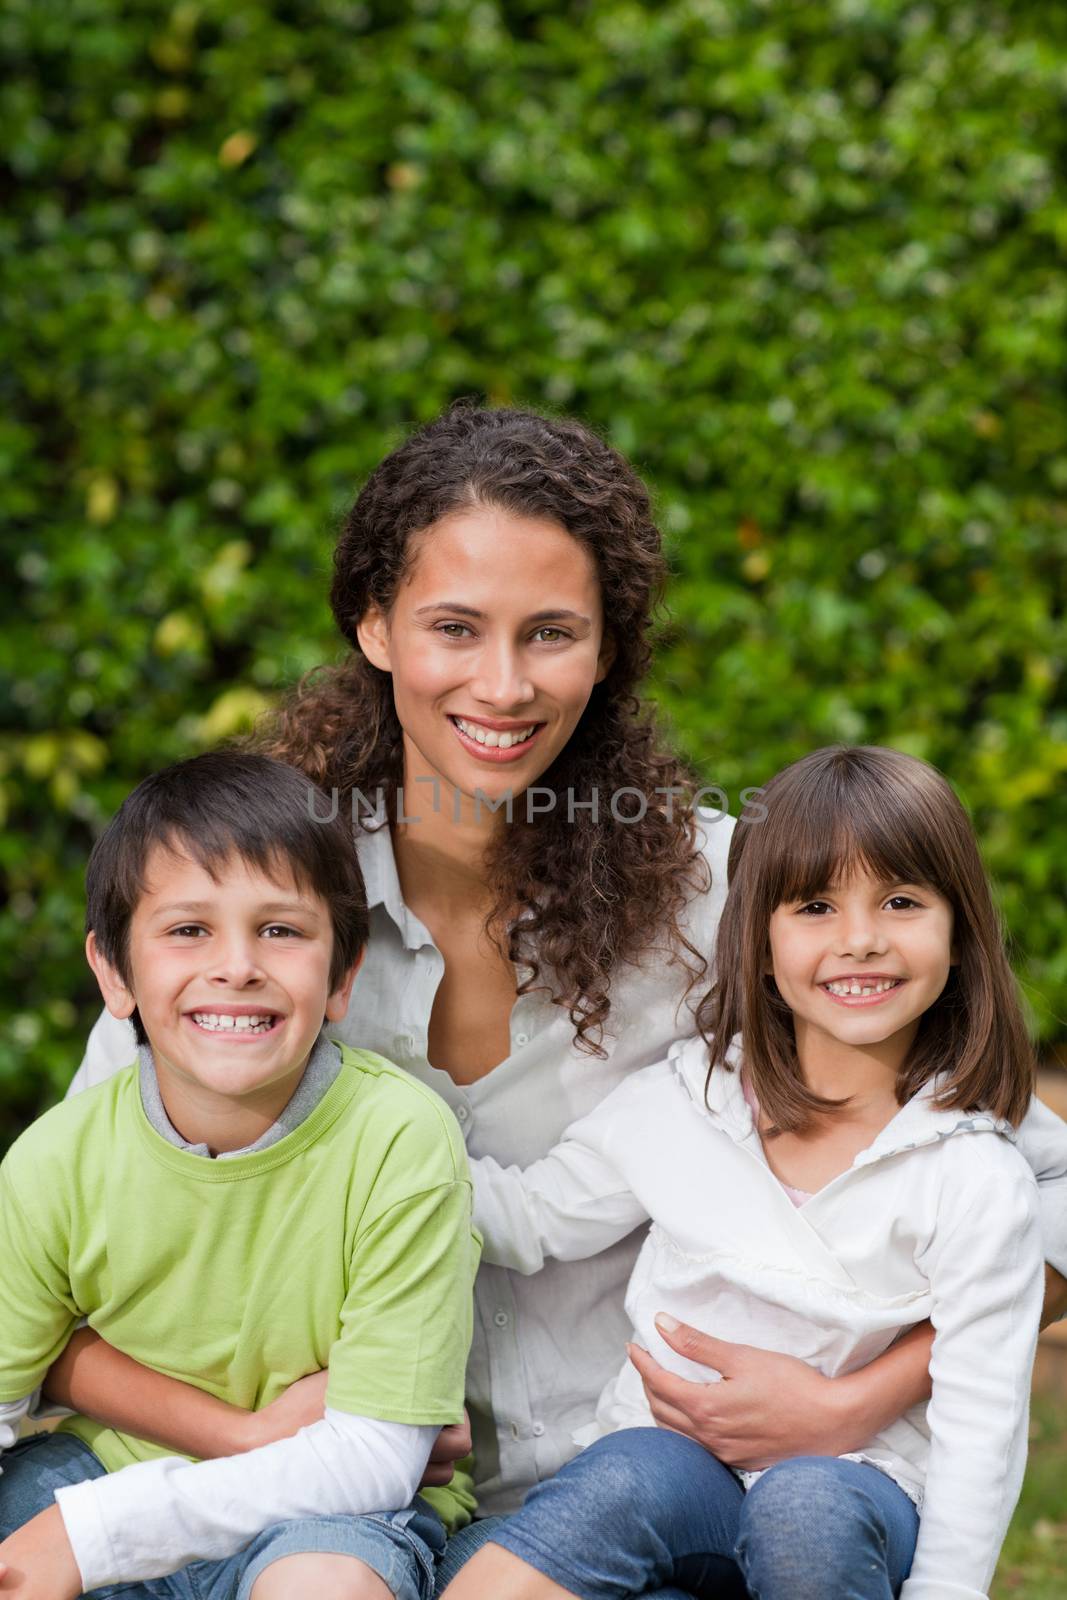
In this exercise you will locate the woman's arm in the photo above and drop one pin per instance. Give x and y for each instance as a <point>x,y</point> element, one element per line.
<point>770,1407</point>
<point>98,1381</point>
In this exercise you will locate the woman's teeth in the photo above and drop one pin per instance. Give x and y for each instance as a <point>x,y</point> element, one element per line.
<point>218,1023</point>
<point>491,738</point>
<point>857,987</point>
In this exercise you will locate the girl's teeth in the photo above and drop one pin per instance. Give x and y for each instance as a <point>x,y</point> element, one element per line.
<point>857,988</point>
<point>491,738</point>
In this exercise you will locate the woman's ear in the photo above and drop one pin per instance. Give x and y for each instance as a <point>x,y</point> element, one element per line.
<point>118,996</point>
<point>372,631</point>
<point>605,657</point>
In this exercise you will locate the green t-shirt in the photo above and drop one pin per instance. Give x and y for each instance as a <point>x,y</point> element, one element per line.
<point>347,1244</point>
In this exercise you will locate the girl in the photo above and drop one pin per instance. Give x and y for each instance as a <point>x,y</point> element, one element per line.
<point>845,1168</point>
<point>497,575</point>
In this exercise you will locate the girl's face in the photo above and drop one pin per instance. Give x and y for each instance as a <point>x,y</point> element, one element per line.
<point>494,643</point>
<point>860,964</point>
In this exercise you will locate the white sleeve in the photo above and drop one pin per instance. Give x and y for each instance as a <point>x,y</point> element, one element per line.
<point>112,1045</point>
<point>987,1282</point>
<point>151,1519</point>
<point>1041,1139</point>
<point>571,1204</point>
<point>11,1415</point>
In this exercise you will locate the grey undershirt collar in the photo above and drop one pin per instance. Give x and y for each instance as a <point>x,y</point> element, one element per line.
<point>324,1063</point>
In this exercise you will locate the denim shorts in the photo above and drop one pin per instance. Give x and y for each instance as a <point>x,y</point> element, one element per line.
<point>402,1547</point>
<point>650,1512</point>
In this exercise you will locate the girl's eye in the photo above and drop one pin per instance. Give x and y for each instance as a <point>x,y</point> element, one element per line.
<point>902,902</point>
<point>814,908</point>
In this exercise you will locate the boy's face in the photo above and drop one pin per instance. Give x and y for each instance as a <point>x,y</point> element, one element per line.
<point>231,979</point>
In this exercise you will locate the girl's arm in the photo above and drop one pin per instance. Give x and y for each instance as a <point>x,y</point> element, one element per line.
<point>93,1378</point>
<point>987,1281</point>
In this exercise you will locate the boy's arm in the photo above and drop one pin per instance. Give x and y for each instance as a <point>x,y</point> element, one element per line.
<point>396,1375</point>
<point>37,1311</point>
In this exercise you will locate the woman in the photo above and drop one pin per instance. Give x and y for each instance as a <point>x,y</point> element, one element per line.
<point>544,902</point>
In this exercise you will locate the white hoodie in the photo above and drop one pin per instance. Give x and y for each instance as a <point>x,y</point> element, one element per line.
<point>938,1218</point>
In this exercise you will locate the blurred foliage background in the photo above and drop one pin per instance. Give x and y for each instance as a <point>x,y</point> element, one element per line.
<point>804,262</point>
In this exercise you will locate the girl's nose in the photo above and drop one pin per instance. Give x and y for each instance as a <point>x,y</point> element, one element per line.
<point>860,936</point>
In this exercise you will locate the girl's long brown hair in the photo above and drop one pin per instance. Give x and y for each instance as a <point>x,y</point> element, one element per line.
<point>895,815</point>
<point>590,893</point>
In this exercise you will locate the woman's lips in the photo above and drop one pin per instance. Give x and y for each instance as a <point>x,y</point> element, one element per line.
<point>492,754</point>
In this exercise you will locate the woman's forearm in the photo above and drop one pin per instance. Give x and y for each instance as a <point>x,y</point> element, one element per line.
<point>97,1380</point>
<point>876,1395</point>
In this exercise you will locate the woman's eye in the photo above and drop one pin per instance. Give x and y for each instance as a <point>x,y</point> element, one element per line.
<point>453,630</point>
<point>557,634</point>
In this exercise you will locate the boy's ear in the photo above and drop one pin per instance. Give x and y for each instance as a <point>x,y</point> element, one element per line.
<point>372,631</point>
<point>118,997</point>
<point>337,1002</point>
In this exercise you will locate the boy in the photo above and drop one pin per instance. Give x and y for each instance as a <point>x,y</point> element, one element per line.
<point>247,1203</point>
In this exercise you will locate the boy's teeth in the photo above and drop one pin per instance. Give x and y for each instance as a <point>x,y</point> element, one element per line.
<point>221,1022</point>
<point>491,738</point>
<point>856,987</point>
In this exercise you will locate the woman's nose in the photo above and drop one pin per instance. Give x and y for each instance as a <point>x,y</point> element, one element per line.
<point>501,680</point>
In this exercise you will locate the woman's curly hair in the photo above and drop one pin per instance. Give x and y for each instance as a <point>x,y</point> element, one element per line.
<point>579,894</point>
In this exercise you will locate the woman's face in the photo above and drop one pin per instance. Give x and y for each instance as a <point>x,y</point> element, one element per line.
<point>494,642</point>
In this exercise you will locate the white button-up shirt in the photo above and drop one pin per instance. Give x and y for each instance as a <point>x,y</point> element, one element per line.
<point>544,1347</point>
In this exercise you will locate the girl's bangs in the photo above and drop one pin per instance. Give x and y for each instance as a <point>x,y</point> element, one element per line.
<point>840,827</point>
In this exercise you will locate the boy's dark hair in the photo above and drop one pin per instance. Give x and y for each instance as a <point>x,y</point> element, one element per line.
<point>864,806</point>
<point>214,806</point>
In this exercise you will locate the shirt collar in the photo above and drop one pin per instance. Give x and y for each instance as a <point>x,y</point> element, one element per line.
<point>378,864</point>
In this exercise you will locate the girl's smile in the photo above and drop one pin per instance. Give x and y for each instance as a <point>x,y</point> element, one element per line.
<point>859,965</point>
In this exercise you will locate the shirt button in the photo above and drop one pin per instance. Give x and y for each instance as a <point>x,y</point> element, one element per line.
<point>538,1429</point>
<point>522,1038</point>
<point>462,1113</point>
<point>501,1319</point>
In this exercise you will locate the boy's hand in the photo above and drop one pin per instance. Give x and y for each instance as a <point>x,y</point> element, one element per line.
<point>37,1562</point>
<point>451,1445</point>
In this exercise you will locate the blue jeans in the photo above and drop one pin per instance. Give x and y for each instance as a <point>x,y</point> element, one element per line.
<point>644,1509</point>
<point>400,1546</point>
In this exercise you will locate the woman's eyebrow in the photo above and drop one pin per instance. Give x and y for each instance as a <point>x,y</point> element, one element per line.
<point>455,607</point>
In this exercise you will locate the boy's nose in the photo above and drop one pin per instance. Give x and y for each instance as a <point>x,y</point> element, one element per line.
<point>235,963</point>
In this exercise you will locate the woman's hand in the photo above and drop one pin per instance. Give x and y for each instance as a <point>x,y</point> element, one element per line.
<point>453,1443</point>
<point>303,1403</point>
<point>37,1562</point>
<point>769,1407</point>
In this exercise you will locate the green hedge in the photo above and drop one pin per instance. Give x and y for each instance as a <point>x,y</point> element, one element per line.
<point>804,261</point>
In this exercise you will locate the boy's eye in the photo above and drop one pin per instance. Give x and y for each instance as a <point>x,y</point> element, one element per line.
<point>187,929</point>
<point>280,928</point>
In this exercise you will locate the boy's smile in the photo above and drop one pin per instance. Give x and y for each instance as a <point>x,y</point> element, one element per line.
<point>231,980</point>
